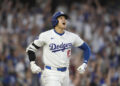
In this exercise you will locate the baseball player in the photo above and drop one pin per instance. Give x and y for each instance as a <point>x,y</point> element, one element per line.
<point>57,44</point>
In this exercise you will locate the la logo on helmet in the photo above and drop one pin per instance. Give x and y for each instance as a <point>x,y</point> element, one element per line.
<point>62,12</point>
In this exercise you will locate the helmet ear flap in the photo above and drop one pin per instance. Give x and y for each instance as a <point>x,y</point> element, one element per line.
<point>54,22</point>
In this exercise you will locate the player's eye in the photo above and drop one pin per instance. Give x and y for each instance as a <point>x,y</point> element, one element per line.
<point>60,17</point>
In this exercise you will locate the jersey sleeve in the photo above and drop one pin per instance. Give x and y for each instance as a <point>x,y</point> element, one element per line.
<point>77,41</point>
<point>40,41</point>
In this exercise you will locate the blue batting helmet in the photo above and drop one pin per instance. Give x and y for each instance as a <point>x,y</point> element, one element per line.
<point>55,16</point>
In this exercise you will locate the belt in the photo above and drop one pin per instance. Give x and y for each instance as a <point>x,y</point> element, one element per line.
<point>62,69</point>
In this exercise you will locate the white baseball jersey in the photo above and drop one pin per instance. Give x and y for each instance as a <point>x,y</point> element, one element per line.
<point>57,47</point>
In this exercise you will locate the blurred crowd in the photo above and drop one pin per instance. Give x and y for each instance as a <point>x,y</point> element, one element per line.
<point>98,25</point>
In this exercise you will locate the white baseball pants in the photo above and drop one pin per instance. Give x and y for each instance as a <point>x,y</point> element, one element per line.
<point>55,78</point>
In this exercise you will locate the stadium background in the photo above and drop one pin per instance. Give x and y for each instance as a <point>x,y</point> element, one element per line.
<point>96,21</point>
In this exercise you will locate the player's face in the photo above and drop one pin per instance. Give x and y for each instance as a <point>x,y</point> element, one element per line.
<point>62,22</point>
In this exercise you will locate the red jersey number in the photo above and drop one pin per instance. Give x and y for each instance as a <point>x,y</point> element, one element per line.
<point>68,53</point>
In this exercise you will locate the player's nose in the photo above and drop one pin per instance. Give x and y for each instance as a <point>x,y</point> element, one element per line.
<point>64,20</point>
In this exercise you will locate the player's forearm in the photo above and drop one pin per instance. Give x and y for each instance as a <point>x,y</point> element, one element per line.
<point>31,49</point>
<point>86,51</point>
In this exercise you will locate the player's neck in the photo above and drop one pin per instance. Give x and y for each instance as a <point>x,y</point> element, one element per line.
<point>59,30</point>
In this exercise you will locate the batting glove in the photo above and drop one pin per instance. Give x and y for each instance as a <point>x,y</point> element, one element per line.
<point>34,68</point>
<point>82,68</point>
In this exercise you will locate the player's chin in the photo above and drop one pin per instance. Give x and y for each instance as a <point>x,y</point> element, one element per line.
<point>64,26</point>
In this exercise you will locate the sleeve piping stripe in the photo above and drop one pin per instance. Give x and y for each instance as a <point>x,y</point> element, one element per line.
<point>35,46</point>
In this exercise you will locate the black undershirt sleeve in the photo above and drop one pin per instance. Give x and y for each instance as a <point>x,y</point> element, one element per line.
<point>31,55</point>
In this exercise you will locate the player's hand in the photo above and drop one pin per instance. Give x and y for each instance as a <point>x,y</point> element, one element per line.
<point>34,68</point>
<point>82,68</point>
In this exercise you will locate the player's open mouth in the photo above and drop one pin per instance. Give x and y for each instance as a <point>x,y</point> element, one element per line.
<point>63,23</point>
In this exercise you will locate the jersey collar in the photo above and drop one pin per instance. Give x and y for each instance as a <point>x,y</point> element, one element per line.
<point>58,33</point>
